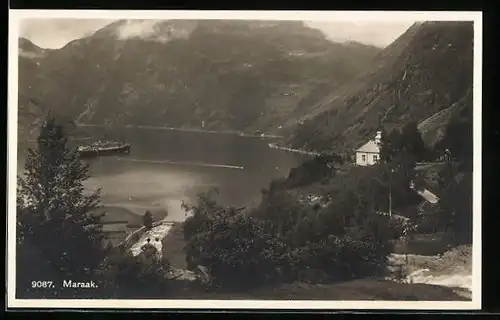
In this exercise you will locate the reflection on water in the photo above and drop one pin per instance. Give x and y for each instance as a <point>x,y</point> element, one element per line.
<point>166,168</point>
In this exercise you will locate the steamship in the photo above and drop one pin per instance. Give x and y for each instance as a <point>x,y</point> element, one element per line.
<point>103,148</point>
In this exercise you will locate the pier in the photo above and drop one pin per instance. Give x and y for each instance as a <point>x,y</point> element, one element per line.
<point>310,153</point>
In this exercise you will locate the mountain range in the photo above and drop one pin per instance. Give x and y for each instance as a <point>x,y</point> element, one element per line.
<point>228,75</point>
<point>276,76</point>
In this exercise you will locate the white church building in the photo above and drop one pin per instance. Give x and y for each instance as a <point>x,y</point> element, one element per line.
<point>369,153</point>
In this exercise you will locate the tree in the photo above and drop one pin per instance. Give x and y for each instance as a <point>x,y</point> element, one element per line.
<point>462,225</point>
<point>282,210</point>
<point>125,276</point>
<point>458,139</point>
<point>201,213</point>
<point>412,141</point>
<point>400,152</point>
<point>55,217</point>
<point>408,141</point>
<point>318,168</point>
<point>456,202</point>
<point>390,146</point>
<point>237,250</point>
<point>148,220</point>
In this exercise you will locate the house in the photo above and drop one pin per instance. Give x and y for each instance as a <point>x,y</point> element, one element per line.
<point>429,199</point>
<point>369,153</point>
<point>429,202</point>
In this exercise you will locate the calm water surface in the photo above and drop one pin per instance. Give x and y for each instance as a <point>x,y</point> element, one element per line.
<point>146,179</point>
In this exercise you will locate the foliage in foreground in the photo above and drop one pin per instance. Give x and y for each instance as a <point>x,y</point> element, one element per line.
<point>282,241</point>
<point>125,276</point>
<point>53,215</point>
<point>58,236</point>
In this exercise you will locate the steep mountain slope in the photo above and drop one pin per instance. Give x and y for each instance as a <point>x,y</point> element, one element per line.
<point>29,113</point>
<point>241,75</point>
<point>427,70</point>
<point>28,49</point>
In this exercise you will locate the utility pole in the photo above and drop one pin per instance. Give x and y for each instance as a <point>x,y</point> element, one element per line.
<point>390,192</point>
<point>390,202</point>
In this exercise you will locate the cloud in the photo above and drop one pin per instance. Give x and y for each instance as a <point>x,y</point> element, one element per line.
<point>155,30</point>
<point>375,33</point>
<point>55,33</point>
<point>138,29</point>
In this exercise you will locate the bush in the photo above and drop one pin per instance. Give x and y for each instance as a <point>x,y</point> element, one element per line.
<point>55,220</point>
<point>148,220</point>
<point>335,259</point>
<point>396,227</point>
<point>317,169</point>
<point>125,276</point>
<point>235,250</point>
<point>283,241</point>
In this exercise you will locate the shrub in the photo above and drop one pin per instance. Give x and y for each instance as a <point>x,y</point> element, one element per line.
<point>55,221</point>
<point>334,259</point>
<point>148,220</point>
<point>125,276</point>
<point>282,241</point>
<point>235,250</point>
<point>316,169</point>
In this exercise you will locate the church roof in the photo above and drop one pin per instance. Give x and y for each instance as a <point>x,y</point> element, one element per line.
<point>370,147</point>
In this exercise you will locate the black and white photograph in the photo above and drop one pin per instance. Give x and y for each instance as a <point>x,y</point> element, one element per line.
<point>288,160</point>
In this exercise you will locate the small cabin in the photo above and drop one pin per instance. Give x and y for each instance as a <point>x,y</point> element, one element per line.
<point>429,202</point>
<point>369,153</point>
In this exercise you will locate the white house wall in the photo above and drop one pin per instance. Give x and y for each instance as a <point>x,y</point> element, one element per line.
<point>368,158</point>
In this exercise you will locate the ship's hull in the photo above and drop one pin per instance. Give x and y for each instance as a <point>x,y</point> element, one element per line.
<point>100,152</point>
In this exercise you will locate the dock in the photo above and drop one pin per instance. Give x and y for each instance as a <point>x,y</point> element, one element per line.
<point>309,153</point>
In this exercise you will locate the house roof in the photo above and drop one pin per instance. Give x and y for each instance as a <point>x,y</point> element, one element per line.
<point>428,196</point>
<point>370,146</point>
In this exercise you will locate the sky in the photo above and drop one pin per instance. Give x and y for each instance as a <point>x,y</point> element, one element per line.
<point>55,33</point>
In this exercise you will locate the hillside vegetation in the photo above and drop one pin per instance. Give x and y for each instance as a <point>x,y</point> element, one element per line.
<point>29,112</point>
<point>238,75</point>
<point>425,71</point>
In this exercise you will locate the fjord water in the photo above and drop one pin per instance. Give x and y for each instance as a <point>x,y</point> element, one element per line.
<point>165,168</point>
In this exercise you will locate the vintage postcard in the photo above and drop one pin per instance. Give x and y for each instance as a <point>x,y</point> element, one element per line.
<point>241,160</point>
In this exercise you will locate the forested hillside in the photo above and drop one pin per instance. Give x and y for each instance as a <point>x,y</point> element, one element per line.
<point>238,75</point>
<point>427,70</point>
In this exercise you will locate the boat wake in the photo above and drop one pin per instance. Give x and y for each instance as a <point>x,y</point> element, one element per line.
<point>182,163</point>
